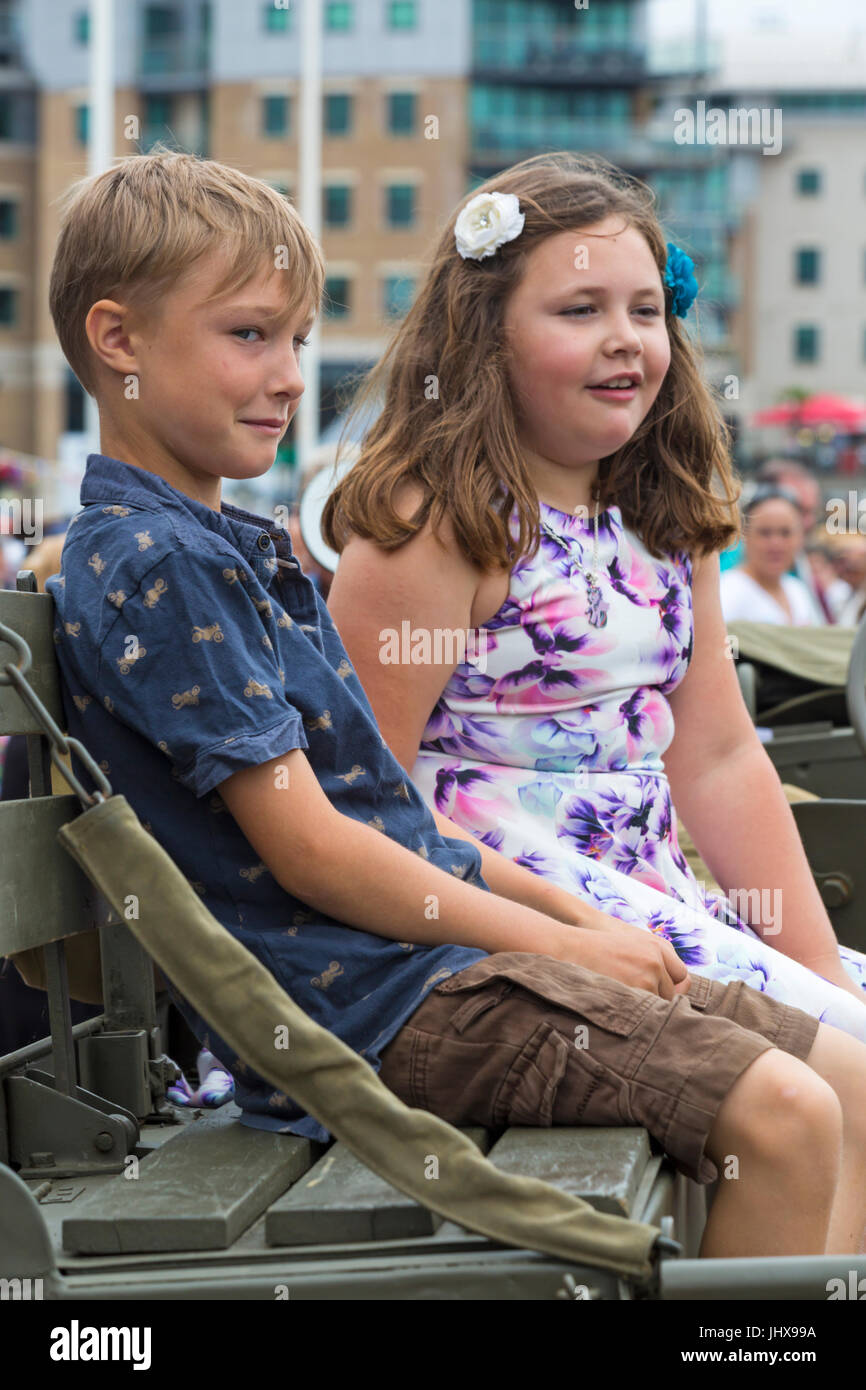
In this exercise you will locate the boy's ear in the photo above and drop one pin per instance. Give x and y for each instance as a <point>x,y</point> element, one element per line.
<point>109,328</point>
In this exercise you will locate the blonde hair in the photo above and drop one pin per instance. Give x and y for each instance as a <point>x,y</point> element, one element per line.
<point>133,231</point>
<point>462,447</point>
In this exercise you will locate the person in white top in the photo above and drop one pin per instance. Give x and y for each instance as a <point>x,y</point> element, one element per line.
<point>760,589</point>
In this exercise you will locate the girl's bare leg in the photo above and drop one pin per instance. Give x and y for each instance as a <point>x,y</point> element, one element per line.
<point>841,1061</point>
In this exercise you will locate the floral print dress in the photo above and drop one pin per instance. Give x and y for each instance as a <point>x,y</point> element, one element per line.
<point>547,744</point>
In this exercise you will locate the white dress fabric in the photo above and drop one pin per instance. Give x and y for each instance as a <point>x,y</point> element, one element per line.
<point>549,750</point>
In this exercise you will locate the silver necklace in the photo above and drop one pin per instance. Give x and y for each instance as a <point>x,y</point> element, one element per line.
<point>596,609</point>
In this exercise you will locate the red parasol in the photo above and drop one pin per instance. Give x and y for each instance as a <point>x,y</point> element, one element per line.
<point>824,409</point>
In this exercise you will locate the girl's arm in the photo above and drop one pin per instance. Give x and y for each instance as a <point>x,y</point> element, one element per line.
<point>731,799</point>
<point>429,584</point>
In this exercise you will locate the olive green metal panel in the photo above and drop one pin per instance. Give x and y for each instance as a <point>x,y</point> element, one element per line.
<point>830,764</point>
<point>834,834</point>
<point>198,1191</point>
<point>603,1166</point>
<point>341,1200</point>
<point>44,896</point>
<point>32,617</point>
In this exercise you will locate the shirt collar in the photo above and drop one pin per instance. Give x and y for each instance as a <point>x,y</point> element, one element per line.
<point>108,479</point>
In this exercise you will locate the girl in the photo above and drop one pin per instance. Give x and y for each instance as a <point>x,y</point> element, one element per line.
<point>550,471</point>
<point>761,588</point>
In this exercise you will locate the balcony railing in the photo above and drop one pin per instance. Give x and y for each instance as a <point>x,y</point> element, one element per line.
<point>563,52</point>
<point>173,56</point>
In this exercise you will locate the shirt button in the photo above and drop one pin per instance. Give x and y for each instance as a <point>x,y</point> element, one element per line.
<point>264,541</point>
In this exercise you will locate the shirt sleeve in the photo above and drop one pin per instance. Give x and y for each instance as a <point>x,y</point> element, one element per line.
<point>188,664</point>
<point>731,595</point>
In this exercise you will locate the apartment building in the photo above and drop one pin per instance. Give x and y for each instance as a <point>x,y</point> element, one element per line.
<point>222,79</point>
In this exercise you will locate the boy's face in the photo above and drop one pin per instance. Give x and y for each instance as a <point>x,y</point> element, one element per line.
<point>205,371</point>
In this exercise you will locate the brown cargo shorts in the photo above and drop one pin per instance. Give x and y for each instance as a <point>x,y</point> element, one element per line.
<point>524,1039</point>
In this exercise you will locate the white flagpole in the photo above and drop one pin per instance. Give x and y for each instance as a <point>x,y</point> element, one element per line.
<point>310,208</point>
<point>100,143</point>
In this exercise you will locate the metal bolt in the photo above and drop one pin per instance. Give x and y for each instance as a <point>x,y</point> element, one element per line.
<point>103,1142</point>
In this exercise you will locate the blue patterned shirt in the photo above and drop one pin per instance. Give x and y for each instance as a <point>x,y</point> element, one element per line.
<point>191,645</point>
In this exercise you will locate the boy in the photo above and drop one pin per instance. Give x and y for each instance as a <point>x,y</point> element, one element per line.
<point>202,668</point>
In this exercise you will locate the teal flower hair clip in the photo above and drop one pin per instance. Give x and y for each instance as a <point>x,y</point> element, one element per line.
<point>679,279</point>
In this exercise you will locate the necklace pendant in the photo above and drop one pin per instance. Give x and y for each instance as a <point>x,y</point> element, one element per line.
<point>596,611</point>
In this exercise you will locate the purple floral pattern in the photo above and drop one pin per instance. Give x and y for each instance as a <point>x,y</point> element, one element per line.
<point>549,750</point>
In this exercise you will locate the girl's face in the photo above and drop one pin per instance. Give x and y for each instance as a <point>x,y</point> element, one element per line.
<point>590,307</point>
<point>773,535</point>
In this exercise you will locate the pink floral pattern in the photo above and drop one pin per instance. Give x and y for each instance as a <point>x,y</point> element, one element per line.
<point>548,747</point>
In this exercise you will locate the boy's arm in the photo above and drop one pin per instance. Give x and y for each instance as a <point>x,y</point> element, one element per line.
<point>521,885</point>
<point>364,878</point>
<point>360,876</point>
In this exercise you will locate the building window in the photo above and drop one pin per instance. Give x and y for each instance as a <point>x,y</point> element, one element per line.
<point>338,113</point>
<point>161,21</point>
<point>82,124</point>
<point>400,205</point>
<point>401,113</point>
<point>8,307</point>
<point>805,343</point>
<point>338,205</point>
<point>339,17</point>
<point>276,19</point>
<point>157,120</point>
<point>401,14</point>
<point>809,181</point>
<point>807,265</point>
<point>399,293</point>
<point>8,219</point>
<point>275,115</point>
<point>81,27</point>
<point>74,403</point>
<point>337,303</point>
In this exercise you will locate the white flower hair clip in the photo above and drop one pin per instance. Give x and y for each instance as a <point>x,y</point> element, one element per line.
<point>486,223</point>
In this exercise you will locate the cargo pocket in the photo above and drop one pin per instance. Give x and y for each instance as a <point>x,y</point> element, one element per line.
<point>528,1090</point>
<point>487,996</point>
<point>698,993</point>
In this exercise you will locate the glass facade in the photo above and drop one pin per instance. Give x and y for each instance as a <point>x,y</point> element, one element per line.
<point>515,34</point>
<point>512,121</point>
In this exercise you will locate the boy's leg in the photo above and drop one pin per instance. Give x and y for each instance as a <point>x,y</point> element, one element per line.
<point>840,1061</point>
<point>525,1039</point>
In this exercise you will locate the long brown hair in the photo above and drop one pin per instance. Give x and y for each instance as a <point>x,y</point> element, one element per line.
<point>447,422</point>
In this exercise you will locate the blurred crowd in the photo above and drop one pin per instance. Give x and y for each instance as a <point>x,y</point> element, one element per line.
<point>790,567</point>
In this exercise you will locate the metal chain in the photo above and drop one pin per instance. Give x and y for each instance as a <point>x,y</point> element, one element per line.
<point>13,673</point>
